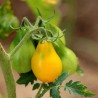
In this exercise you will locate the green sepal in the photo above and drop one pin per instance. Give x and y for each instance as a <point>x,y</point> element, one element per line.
<point>55,31</point>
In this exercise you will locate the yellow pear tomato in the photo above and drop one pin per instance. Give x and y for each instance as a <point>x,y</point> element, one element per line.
<point>46,64</point>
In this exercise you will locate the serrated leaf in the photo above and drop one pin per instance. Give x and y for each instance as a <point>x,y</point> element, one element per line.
<point>61,78</point>
<point>55,93</point>
<point>80,71</point>
<point>36,86</point>
<point>78,89</point>
<point>51,84</point>
<point>26,78</point>
<point>43,92</point>
<point>45,86</point>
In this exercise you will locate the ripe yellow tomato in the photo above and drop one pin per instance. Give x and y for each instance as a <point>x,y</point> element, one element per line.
<point>46,64</point>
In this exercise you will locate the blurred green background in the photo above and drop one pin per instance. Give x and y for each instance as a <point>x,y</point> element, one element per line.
<point>80,20</point>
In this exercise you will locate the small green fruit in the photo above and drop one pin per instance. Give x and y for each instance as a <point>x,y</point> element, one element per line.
<point>67,56</point>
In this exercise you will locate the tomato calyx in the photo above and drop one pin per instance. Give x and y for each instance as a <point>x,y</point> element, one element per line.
<point>43,34</point>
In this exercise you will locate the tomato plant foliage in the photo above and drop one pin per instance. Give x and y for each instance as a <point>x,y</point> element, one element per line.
<point>26,78</point>
<point>47,60</point>
<point>75,88</point>
<point>78,89</point>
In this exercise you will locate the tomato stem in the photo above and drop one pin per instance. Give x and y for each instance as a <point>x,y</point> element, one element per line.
<point>39,91</point>
<point>7,72</point>
<point>25,21</point>
<point>38,21</point>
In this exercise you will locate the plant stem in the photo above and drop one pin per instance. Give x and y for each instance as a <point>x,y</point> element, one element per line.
<point>7,72</point>
<point>39,91</point>
<point>6,64</point>
<point>24,39</point>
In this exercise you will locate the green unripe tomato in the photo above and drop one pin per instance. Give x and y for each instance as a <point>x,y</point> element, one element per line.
<point>7,19</point>
<point>5,22</point>
<point>67,56</point>
<point>21,60</point>
<point>70,61</point>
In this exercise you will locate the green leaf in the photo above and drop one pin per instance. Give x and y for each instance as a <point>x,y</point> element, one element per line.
<point>55,86</point>
<point>78,89</point>
<point>51,84</point>
<point>43,92</point>
<point>80,71</point>
<point>61,78</point>
<point>45,86</point>
<point>26,78</point>
<point>55,93</point>
<point>36,86</point>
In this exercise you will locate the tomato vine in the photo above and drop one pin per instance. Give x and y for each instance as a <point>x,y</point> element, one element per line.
<point>41,33</point>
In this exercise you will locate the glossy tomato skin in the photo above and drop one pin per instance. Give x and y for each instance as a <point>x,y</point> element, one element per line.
<point>46,64</point>
<point>67,56</point>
